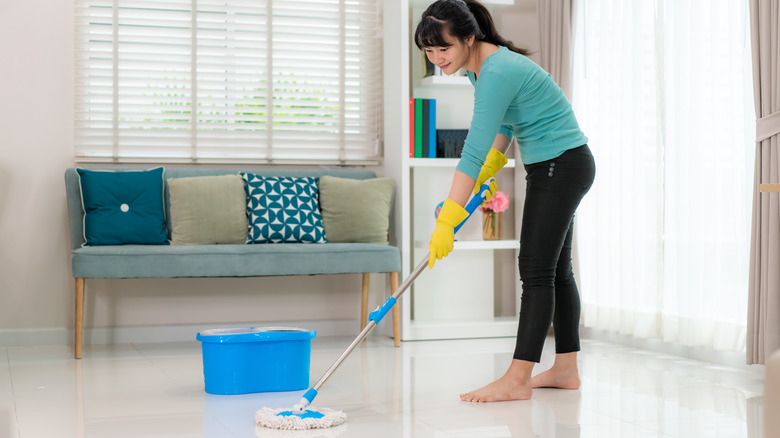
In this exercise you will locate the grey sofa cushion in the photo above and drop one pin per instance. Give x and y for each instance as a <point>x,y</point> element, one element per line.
<point>356,210</point>
<point>142,261</point>
<point>207,210</point>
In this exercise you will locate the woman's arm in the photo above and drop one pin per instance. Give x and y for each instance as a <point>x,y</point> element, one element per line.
<point>492,96</point>
<point>463,185</point>
<point>502,143</point>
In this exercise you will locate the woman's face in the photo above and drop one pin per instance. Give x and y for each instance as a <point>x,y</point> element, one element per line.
<point>450,58</point>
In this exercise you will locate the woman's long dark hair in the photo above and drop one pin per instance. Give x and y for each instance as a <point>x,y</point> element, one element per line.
<point>461,18</point>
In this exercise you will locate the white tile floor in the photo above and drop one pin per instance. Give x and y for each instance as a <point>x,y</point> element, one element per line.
<point>157,390</point>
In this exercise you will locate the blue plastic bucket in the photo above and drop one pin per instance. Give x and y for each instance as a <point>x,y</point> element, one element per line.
<point>264,359</point>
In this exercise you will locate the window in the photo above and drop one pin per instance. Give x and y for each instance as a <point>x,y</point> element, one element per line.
<point>206,81</point>
<point>663,89</point>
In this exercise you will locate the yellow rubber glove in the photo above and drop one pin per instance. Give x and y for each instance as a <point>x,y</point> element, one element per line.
<point>493,163</point>
<point>443,237</point>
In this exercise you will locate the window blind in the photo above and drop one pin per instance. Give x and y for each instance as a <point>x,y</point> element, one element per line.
<point>206,81</point>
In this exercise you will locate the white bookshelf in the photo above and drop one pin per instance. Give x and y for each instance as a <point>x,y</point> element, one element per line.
<point>445,80</point>
<point>462,297</point>
<point>465,245</point>
<point>444,162</point>
<point>488,328</point>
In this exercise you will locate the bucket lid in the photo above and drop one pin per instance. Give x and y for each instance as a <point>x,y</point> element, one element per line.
<point>255,334</point>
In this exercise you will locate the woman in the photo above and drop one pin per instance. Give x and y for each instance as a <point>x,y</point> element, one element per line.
<point>513,97</point>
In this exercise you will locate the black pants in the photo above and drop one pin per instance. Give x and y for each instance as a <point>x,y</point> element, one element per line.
<point>554,189</point>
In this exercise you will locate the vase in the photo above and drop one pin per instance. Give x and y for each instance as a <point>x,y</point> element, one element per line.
<point>491,225</point>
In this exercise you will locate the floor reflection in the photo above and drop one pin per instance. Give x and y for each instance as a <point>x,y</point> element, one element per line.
<point>156,390</point>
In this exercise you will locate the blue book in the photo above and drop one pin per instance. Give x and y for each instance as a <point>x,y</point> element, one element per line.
<point>425,121</point>
<point>432,129</point>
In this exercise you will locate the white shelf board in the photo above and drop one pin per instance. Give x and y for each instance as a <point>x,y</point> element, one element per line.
<point>477,244</point>
<point>498,327</point>
<point>459,81</point>
<point>445,162</point>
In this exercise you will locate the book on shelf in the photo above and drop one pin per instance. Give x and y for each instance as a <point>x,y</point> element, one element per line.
<point>449,142</point>
<point>429,68</point>
<point>411,127</point>
<point>426,106</point>
<point>418,133</point>
<point>422,128</point>
<point>432,129</point>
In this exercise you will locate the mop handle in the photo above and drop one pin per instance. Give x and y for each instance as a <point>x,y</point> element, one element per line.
<point>471,207</point>
<point>476,201</point>
<point>380,312</point>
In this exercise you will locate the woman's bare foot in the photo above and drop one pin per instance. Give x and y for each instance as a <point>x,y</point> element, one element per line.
<point>514,385</point>
<point>562,375</point>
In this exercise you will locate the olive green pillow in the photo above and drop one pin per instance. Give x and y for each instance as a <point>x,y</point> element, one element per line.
<point>355,210</point>
<point>208,210</point>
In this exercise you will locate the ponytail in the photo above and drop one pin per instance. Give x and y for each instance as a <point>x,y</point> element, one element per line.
<point>488,28</point>
<point>462,19</point>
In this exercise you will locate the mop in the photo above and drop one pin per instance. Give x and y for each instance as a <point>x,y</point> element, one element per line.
<point>300,418</point>
<point>332,432</point>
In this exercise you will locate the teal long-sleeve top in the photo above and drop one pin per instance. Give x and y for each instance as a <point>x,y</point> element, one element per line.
<point>517,98</point>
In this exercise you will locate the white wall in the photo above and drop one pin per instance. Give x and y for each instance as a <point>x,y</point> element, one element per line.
<point>36,146</point>
<point>520,24</point>
<point>36,285</point>
<point>36,142</point>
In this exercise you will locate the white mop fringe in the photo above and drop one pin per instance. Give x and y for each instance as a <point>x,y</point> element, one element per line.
<point>268,417</point>
<point>333,432</point>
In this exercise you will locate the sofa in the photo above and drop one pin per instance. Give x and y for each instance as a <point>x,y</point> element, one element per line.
<point>115,259</point>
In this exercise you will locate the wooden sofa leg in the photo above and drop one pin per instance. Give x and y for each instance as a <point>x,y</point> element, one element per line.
<point>396,312</point>
<point>79,314</point>
<point>364,302</point>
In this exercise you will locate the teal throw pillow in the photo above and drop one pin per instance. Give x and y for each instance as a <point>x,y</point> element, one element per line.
<point>123,207</point>
<point>283,209</point>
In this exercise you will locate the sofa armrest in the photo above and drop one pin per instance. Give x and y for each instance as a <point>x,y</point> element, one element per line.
<point>75,209</point>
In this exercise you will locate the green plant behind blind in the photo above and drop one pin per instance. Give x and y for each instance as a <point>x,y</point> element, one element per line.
<point>261,81</point>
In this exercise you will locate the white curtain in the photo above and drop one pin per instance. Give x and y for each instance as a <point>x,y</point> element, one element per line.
<point>662,88</point>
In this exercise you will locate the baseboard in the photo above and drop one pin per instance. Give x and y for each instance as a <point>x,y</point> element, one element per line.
<point>729,359</point>
<point>35,337</point>
<point>167,333</point>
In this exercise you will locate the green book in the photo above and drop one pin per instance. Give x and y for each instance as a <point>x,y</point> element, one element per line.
<point>418,128</point>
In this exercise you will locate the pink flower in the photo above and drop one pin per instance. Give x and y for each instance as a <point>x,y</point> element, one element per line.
<point>498,203</point>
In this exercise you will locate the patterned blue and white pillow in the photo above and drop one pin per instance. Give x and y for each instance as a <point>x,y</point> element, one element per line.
<point>283,209</point>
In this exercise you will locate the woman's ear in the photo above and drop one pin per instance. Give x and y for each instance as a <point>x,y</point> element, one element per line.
<point>470,41</point>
